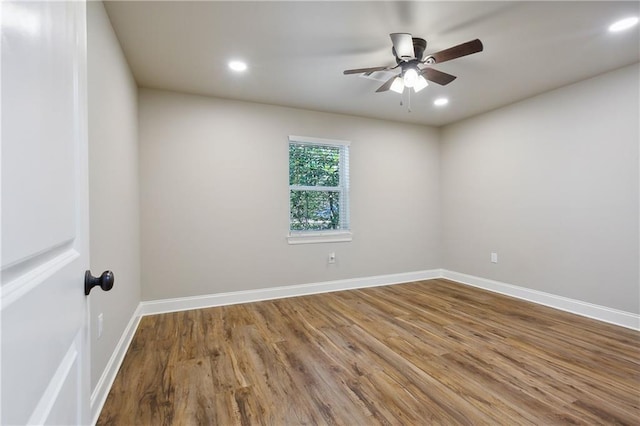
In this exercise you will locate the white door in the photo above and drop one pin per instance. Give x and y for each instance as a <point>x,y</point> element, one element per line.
<point>44,333</point>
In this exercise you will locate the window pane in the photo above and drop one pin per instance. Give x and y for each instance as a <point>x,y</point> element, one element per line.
<point>315,210</point>
<point>314,165</point>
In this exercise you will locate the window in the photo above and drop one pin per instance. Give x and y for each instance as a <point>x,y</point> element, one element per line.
<point>318,190</point>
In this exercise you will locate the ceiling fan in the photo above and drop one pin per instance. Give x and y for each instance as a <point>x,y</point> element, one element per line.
<point>409,53</point>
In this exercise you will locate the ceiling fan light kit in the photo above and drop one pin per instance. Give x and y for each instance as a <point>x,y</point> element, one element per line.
<point>410,77</point>
<point>420,84</point>
<point>409,55</point>
<point>397,85</point>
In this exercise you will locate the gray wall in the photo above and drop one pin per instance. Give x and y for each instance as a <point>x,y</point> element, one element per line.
<point>551,185</point>
<point>113,186</point>
<point>214,196</point>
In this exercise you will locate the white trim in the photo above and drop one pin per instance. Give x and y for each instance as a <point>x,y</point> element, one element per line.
<point>319,237</point>
<point>232,298</point>
<point>585,309</point>
<point>99,394</point>
<point>597,312</point>
<point>315,188</point>
<point>317,141</point>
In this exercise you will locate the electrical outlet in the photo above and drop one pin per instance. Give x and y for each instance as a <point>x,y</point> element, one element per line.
<point>100,325</point>
<point>332,257</point>
<point>494,257</point>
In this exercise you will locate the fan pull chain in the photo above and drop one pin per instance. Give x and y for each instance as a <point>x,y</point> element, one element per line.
<point>408,91</point>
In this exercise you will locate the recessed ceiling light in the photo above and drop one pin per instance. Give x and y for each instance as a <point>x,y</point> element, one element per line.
<point>237,66</point>
<point>441,102</point>
<point>623,24</point>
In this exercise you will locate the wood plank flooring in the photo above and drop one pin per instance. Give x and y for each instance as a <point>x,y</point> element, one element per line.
<point>430,352</point>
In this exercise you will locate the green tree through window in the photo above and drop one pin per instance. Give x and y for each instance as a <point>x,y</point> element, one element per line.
<point>318,186</point>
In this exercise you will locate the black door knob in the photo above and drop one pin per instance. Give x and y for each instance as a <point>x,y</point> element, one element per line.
<point>105,281</point>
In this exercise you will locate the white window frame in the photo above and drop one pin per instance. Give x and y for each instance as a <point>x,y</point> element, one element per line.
<point>330,236</point>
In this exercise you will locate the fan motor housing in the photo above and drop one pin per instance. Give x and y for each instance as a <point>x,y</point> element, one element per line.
<point>419,46</point>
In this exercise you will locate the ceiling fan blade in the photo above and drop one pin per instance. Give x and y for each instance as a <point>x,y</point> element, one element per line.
<point>403,45</point>
<point>387,85</point>
<point>442,78</point>
<point>464,49</point>
<point>365,70</point>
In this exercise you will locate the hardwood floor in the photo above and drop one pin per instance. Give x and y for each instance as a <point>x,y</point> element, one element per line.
<point>430,352</point>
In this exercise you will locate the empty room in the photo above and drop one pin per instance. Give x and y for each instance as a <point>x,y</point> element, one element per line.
<point>320,212</point>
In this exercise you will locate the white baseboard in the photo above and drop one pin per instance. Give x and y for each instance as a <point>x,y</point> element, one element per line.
<point>99,394</point>
<point>601,313</point>
<point>233,298</point>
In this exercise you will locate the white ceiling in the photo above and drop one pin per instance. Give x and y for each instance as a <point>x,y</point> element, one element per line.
<point>297,51</point>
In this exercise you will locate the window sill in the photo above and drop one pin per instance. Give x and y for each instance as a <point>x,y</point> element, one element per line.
<point>324,237</point>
